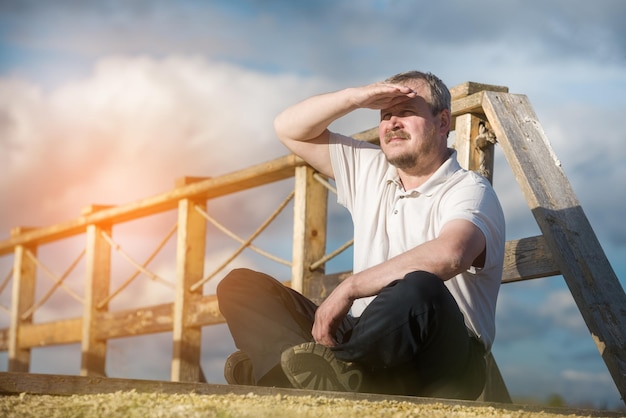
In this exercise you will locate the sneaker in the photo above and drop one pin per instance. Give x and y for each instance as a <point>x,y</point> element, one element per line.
<point>238,369</point>
<point>314,366</point>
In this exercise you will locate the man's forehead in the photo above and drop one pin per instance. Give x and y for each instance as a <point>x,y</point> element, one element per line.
<point>420,86</point>
<point>422,99</point>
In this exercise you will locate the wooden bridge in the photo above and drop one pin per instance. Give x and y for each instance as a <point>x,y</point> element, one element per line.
<point>481,113</point>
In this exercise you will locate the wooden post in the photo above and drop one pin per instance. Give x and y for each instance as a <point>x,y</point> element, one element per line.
<point>473,145</point>
<point>23,297</point>
<point>309,231</point>
<point>97,285</point>
<point>478,156</point>
<point>189,270</point>
<point>571,239</point>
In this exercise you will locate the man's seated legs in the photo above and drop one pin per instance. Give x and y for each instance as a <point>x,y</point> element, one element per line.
<point>264,318</point>
<point>412,340</point>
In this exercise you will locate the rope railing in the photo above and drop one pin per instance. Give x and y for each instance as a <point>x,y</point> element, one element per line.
<point>52,276</point>
<point>245,244</point>
<point>132,261</point>
<point>4,284</point>
<point>240,240</point>
<point>30,311</point>
<point>6,280</point>
<point>331,255</point>
<point>317,176</point>
<point>140,269</point>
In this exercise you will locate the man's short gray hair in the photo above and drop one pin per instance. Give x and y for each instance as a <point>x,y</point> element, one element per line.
<point>439,93</point>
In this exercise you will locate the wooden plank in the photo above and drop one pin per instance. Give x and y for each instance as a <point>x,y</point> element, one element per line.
<point>132,322</point>
<point>469,104</point>
<point>469,155</point>
<point>23,297</point>
<point>248,178</point>
<point>66,331</point>
<point>309,229</point>
<point>116,324</point>
<point>568,233</point>
<point>97,284</point>
<point>526,259</point>
<point>206,312</point>
<point>189,270</point>
<point>470,87</point>
<point>13,384</point>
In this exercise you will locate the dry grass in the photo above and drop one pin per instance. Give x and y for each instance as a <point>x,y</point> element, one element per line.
<point>134,404</point>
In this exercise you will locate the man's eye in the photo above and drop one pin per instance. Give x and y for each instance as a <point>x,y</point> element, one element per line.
<point>386,116</point>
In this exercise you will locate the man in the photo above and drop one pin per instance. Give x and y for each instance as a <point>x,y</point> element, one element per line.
<point>416,317</point>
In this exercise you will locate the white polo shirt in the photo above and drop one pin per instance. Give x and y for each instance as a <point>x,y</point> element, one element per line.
<point>389,220</point>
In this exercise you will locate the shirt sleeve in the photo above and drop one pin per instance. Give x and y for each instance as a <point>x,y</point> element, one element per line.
<point>475,201</point>
<point>348,156</point>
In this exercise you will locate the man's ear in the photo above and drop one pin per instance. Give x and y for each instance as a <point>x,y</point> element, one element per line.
<point>444,126</point>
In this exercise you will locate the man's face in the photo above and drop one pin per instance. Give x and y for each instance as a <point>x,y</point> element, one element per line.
<point>409,133</point>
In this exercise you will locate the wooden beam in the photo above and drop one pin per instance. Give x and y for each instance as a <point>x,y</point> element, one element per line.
<point>116,324</point>
<point>189,270</point>
<point>23,297</point>
<point>97,284</point>
<point>470,87</point>
<point>131,322</point>
<point>309,230</point>
<point>526,259</point>
<point>65,331</point>
<point>567,231</point>
<point>469,155</point>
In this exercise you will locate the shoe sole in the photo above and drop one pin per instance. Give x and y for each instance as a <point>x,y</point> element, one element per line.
<point>233,372</point>
<point>313,366</point>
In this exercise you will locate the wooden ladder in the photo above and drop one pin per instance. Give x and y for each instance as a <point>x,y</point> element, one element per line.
<point>566,230</point>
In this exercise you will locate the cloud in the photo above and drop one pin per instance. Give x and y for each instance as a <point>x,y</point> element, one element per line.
<point>377,37</point>
<point>561,312</point>
<point>130,129</point>
<point>533,310</point>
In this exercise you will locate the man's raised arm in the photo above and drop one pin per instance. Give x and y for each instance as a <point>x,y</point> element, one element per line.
<point>303,127</point>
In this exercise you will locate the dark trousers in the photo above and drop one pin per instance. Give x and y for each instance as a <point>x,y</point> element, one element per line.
<point>411,340</point>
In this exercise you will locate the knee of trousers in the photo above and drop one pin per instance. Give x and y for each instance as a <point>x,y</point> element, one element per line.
<point>235,287</point>
<point>420,287</point>
<point>232,281</point>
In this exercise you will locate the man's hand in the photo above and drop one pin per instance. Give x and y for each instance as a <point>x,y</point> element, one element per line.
<point>330,314</point>
<point>381,95</point>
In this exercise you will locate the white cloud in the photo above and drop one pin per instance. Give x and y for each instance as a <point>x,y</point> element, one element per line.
<point>130,129</point>
<point>561,311</point>
<point>577,376</point>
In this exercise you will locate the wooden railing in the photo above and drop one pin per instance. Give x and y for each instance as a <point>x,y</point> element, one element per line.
<point>191,310</point>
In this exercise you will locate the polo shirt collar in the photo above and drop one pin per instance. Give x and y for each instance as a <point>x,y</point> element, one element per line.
<point>449,167</point>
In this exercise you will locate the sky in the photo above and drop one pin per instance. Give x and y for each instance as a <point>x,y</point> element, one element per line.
<point>108,102</point>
